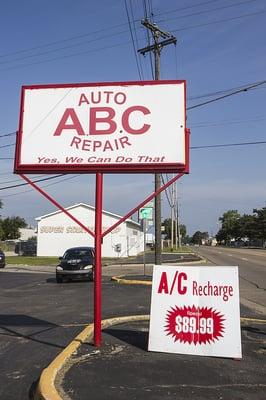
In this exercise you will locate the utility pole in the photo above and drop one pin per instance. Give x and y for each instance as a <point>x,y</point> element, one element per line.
<point>156,48</point>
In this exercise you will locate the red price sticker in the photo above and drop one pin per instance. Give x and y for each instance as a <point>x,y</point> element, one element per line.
<point>198,325</point>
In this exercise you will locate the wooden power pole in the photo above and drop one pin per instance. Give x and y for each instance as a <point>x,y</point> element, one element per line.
<point>156,48</point>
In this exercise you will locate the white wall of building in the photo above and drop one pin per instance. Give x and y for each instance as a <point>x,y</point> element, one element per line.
<point>26,233</point>
<point>57,232</point>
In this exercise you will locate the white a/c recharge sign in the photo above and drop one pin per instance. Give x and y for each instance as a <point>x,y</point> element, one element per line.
<point>195,310</point>
<point>122,126</point>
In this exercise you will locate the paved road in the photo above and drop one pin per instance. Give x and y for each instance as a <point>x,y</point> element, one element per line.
<point>252,271</point>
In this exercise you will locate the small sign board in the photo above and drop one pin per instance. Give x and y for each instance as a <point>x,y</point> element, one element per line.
<point>195,310</point>
<point>146,213</point>
<point>103,127</point>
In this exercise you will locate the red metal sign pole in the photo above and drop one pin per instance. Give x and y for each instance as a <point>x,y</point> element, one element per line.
<point>98,261</point>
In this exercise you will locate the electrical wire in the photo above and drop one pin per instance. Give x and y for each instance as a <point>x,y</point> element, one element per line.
<point>92,33</point>
<point>7,145</point>
<point>25,184</point>
<point>19,180</point>
<point>121,44</point>
<point>65,56</point>
<point>219,21</point>
<point>228,145</point>
<point>166,192</point>
<point>245,89</point>
<point>7,134</point>
<point>133,41</point>
<point>42,186</point>
<point>225,122</point>
<point>146,16</point>
<point>208,11</point>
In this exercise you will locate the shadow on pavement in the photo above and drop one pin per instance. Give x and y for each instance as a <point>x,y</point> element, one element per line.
<point>135,338</point>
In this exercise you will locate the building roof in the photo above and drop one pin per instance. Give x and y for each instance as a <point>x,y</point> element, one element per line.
<point>90,208</point>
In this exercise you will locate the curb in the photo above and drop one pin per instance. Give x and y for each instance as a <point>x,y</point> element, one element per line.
<point>123,281</point>
<point>120,278</point>
<point>46,389</point>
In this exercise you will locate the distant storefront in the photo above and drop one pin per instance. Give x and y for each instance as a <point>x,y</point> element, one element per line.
<point>57,232</point>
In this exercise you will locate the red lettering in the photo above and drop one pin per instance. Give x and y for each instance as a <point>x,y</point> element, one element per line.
<point>83,99</point>
<point>108,119</point>
<point>126,116</point>
<point>181,289</point>
<point>74,125</point>
<point>163,286</point>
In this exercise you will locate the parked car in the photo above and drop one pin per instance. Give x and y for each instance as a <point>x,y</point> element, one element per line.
<point>2,259</point>
<point>76,263</point>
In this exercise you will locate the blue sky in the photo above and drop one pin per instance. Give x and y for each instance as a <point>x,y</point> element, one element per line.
<point>220,46</point>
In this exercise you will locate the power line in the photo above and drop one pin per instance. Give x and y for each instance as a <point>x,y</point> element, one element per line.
<point>37,180</point>
<point>219,21</point>
<point>187,7</point>
<point>19,180</point>
<point>43,186</point>
<point>166,192</point>
<point>7,145</point>
<point>119,44</point>
<point>133,41</point>
<point>227,145</point>
<point>62,48</point>
<point>146,16</point>
<point>191,147</point>
<point>209,10</point>
<point>220,92</point>
<point>65,56</point>
<point>94,32</point>
<point>8,134</point>
<point>225,122</point>
<point>245,89</point>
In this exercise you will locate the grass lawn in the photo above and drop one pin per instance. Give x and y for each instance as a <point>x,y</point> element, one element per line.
<point>183,249</point>
<point>31,260</point>
<point>24,260</point>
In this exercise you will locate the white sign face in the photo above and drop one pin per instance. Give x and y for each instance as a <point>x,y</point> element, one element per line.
<point>108,127</point>
<point>195,310</point>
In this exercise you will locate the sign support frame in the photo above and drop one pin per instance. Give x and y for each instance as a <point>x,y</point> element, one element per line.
<point>98,237</point>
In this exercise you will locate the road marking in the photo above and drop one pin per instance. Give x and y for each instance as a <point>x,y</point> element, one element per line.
<point>245,259</point>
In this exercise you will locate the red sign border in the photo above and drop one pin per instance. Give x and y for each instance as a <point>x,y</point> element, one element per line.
<point>101,168</point>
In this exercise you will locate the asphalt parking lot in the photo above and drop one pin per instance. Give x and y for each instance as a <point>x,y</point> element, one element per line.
<point>123,369</point>
<point>39,318</point>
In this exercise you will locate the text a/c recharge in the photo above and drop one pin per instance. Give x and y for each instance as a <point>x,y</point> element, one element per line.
<point>180,284</point>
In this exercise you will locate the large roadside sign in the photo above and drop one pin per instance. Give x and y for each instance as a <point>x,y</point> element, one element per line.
<point>103,127</point>
<point>195,310</point>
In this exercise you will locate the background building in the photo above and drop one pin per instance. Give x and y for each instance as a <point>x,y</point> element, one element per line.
<point>57,232</point>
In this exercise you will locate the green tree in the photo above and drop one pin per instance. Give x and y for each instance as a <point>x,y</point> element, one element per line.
<point>10,227</point>
<point>1,228</point>
<point>199,236</point>
<point>260,224</point>
<point>231,226</point>
<point>247,226</point>
<point>167,223</point>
